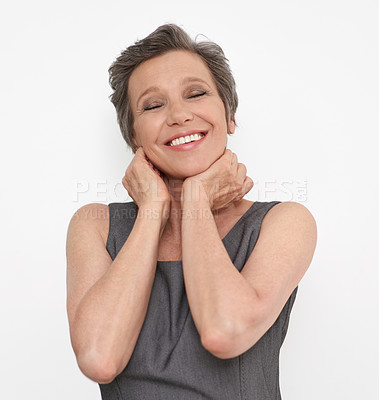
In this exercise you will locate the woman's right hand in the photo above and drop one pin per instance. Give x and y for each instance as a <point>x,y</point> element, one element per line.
<point>145,184</point>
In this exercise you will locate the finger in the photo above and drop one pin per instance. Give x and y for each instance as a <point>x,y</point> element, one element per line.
<point>152,166</point>
<point>241,173</point>
<point>124,182</point>
<point>228,153</point>
<point>165,179</point>
<point>234,157</point>
<point>141,156</point>
<point>225,161</point>
<point>247,185</point>
<point>224,156</point>
<point>157,171</point>
<point>241,178</point>
<point>140,153</point>
<point>234,163</point>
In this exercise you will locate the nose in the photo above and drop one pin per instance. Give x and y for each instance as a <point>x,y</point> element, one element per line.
<point>178,113</point>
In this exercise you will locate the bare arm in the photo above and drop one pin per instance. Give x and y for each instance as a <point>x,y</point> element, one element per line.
<point>107,301</point>
<point>233,309</point>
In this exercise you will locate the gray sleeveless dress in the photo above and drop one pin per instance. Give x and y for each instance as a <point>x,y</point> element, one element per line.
<point>169,362</point>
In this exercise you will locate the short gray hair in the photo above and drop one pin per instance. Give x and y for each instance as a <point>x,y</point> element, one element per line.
<point>164,39</point>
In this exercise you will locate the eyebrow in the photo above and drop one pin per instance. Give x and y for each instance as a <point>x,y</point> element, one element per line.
<point>153,89</point>
<point>193,79</point>
<point>147,91</point>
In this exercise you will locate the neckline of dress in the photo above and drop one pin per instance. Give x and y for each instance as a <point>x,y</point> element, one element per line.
<point>243,216</point>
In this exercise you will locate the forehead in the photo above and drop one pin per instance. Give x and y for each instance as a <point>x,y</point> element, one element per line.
<point>168,70</point>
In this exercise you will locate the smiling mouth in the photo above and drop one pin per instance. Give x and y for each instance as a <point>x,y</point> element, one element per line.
<point>186,139</point>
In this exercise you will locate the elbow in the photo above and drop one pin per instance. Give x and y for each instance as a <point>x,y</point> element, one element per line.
<point>97,361</point>
<point>98,369</point>
<point>216,344</point>
<point>226,344</point>
<point>221,342</point>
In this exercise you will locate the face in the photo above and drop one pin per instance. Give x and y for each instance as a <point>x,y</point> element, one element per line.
<point>179,118</point>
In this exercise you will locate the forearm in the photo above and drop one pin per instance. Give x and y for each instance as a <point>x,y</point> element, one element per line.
<point>109,318</point>
<point>220,298</point>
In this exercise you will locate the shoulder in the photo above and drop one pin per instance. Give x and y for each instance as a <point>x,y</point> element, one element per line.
<point>288,235</point>
<point>284,249</point>
<point>94,216</point>
<point>290,216</point>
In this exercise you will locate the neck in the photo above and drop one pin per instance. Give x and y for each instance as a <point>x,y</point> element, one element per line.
<point>173,226</point>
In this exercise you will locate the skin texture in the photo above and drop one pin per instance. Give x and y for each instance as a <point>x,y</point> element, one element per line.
<point>107,300</point>
<point>178,106</point>
<point>172,94</point>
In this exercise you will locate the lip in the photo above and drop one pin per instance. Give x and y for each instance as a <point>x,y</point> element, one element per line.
<point>190,145</point>
<point>182,134</point>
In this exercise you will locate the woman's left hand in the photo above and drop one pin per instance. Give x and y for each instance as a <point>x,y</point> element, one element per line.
<point>223,183</point>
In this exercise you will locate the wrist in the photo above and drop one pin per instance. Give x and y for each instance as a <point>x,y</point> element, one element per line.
<point>194,195</point>
<point>156,214</point>
<point>195,203</point>
<point>155,210</point>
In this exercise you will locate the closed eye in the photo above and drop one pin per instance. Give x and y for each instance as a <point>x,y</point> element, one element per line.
<point>197,95</point>
<point>152,107</point>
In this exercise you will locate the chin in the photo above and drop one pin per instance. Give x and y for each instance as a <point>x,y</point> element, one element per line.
<point>188,165</point>
<point>183,174</point>
<point>186,171</point>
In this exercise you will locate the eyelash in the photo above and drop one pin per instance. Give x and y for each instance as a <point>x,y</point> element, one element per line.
<point>151,108</point>
<point>197,95</point>
<point>190,97</point>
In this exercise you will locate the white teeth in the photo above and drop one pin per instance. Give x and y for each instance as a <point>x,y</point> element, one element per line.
<point>187,139</point>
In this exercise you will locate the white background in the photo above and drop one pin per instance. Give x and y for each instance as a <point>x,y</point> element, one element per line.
<point>307,76</point>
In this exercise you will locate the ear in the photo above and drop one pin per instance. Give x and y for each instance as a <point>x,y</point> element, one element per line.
<point>231,126</point>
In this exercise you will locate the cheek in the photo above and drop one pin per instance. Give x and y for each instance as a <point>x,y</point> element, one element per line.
<point>214,114</point>
<point>140,135</point>
<point>147,131</point>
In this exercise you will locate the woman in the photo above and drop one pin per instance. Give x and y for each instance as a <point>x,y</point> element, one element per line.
<point>166,297</point>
